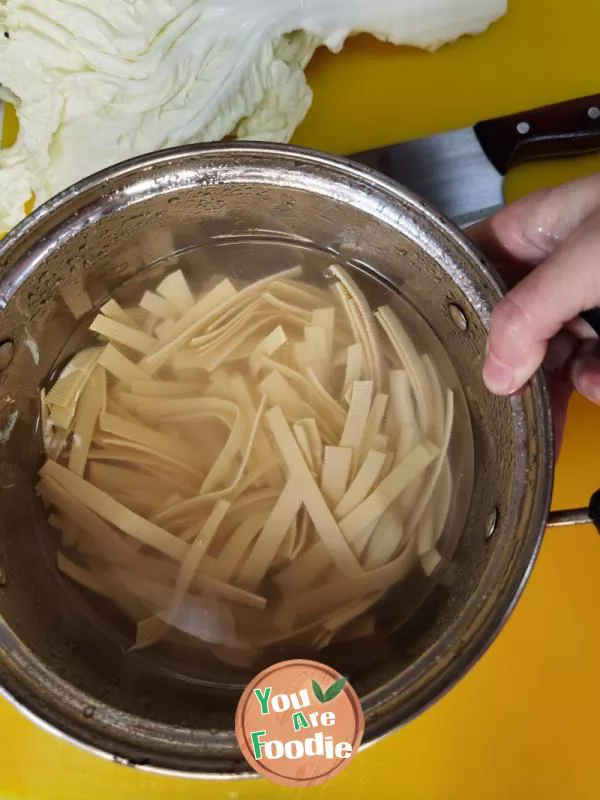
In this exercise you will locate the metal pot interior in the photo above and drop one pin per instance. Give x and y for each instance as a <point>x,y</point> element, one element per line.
<point>109,230</point>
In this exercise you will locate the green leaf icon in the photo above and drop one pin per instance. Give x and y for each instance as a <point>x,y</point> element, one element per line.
<point>318,692</point>
<point>334,690</point>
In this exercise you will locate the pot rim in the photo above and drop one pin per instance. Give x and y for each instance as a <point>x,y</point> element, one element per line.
<point>491,614</point>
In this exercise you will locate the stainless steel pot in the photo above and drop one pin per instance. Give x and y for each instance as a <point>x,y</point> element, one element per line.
<point>109,227</point>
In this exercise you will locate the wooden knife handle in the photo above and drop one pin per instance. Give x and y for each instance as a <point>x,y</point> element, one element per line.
<point>565,129</point>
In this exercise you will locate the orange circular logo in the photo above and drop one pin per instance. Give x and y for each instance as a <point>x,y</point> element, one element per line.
<point>299,723</point>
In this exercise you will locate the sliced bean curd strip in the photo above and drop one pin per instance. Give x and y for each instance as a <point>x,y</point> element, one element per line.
<point>269,345</point>
<point>412,363</point>
<point>341,618</point>
<point>426,533</point>
<point>115,513</point>
<point>188,452</point>
<point>207,303</point>
<point>408,439</point>
<point>356,421</point>
<point>63,417</point>
<point>276,302</point>
<point>339,592</point>
<point>193,559</point>
<point>177,389</point>
<point>302,294</point>
<point>370,334</point>
<point>113,310</point>
<point>53,439</point>
<point>164,330</point>
<point>213,308</point>
<point>387,537</point>
<point>336,473</point>
<point>306,355</point>
<point>233,446</point>
<point>361,542</point>
<point>89,408</point>
<point>156,596</point>
<point>374,423</point>
<point>284,553</point>
<point>331,622</point>
<point>174,407</point>
<point>210,341</point>
<point>54,520</point>
<point>73,377</point>
<point>425,498</point>
<point>323,519</point>
<point>304,525</point>
<point>328,409</point>
<point>185,329</point>
<point>109,542</point>
<point>137,315</point>
<point>238,387</point>
<point>122,334</point>
<point>354,367</point>
<point>193,504</point>
<point>175,290</point>
<point>359,628</point>
<point>333,408</point>
<point>314,441</point>
<point>122,478</point>
<point>235,346</point>
<point>402,408</point>
<point>363,516</point>
<point>366,478</point>
<point>247,293</point>
<point>61,401</point>
<point>191,473</point>
<point>325,318</point>
<point>318,337</point>
<point>233,553</point>
<point>121,367</point>
<point>387,491</point>
<point>80,575</point>
<point>267,471</point>
<point>443,500</point>
<point>437,401</point>
<point>304,445</point>
<point>157,305</point>
<point>76,299</point>
<point>107,449</point>
<point>381,443</point>
<point>358,332</point>
<point>271,537</point>
<point>155,440</point>
<point>430,561</point>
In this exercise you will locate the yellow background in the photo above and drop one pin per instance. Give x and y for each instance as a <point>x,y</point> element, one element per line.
<point>524,722</point>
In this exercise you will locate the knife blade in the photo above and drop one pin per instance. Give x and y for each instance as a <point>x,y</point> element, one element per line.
<point>462,172</point>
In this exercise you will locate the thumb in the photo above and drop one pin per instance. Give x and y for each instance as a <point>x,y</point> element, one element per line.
<point>567,283</point>
<point>530,229</point>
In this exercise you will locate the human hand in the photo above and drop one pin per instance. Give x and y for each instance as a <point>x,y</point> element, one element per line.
<point>557,231</point>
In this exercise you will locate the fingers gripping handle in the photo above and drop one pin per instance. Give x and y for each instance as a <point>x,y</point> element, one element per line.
<point>577,516</point>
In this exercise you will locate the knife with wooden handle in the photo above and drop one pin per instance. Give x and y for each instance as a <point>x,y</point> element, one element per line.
<point>462,172</point>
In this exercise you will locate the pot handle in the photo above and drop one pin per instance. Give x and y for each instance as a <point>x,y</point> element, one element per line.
<point>577,516</point>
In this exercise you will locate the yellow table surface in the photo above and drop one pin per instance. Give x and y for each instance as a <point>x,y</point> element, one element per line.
<point>524,722</point>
